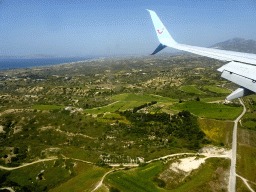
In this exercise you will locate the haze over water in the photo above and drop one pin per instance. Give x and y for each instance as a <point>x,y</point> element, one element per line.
<point>26,63</point>
<point>80,28</point>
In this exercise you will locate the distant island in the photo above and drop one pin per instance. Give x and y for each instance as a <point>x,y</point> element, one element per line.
<point>234,44</point>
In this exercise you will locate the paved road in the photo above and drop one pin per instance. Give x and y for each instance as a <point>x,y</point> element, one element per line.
<point>232,178</point>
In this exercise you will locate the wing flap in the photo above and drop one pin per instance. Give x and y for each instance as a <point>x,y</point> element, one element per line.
<point>248,71</point>
<point>240,80</point>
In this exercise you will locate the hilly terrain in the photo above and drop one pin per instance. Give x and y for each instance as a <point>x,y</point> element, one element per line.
<point>237,44</point>
<point>123,124</point>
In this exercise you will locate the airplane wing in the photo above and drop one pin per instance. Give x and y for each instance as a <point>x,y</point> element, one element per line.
<point>241,68</point>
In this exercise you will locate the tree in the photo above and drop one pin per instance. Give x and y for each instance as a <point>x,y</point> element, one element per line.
<point>113,189</point>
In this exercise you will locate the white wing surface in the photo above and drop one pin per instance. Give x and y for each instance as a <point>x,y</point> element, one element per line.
<point>241,68</point>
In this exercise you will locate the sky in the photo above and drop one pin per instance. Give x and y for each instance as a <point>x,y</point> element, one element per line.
<point>67,28</point>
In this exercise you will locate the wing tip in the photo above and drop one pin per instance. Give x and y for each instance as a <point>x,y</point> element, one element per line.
<point>149,10</point>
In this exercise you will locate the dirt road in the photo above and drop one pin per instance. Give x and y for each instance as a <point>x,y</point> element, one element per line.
<point>27,164</point>
<point>232,178</point>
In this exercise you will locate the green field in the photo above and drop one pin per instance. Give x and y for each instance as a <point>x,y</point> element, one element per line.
<point>86,178</point>
<point>53,175</point>
<point>141,98</point>
<point>240,186</point>
<point>141,179</point>
<point>191,89</point>
<point>112,117</point>
<point>249,120</point>
<point>77,153</point>
<point>209,110</point>
<point>128,101</point>
<point>246,162</point>
<point>201,179</point>
<point>211,99</point>
<point>218,131</point>
<point>216,89</point>
<point>135,180</point>
<point>117,106</point>
<point>47,107</point>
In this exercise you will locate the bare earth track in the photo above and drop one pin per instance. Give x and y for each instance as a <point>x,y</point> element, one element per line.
<point>228,154</point>
<point>232,178</point>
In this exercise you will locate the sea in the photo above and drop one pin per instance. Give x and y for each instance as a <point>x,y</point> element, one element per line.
<point>27,63</point>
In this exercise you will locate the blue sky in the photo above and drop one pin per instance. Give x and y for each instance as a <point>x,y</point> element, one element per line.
<point>105,27</point>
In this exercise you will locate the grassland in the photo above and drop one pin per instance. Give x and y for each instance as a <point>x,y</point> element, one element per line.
<point>246,154</point>
<point>216,89</point>
<point>86,178</point>
<point>217,131</point>
<point>240,186</point>
<point>77,153</point>
<point>246,162</point>
<point>53,175</point>
<point>209,110</point>
<point>250,124</point>
<point>202,178</point>
<point>191,89</point>
<point>141,98</point>
<point>112,117</point>
<point>140,179</point>
<point>128,101</point>
<point>249,120</point>
<point>135,180</point>
<point>117,106</point>
<point>212,99</point>
<point>47,107</point>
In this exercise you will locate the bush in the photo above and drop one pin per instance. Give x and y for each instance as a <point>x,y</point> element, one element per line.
<point>159,182</point>
<point>142,164</point>
<point>113,189</point>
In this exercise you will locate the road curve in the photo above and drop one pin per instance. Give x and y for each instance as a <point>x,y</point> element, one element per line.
<point>101,181</point>
<point>245,182</point>
<point>7,188</point>
<point>27,164</point>
<point>232,177</point>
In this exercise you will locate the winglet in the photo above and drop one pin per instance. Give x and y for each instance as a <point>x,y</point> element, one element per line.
<point>159,48</point>
<point>162,33</point>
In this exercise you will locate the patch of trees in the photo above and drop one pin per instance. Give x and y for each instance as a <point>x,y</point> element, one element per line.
<point>135,109</point>
<point>184,125</point>
<point>146,117</point>
<point>113,189</point>
<point>161,183</point>
<point>181,126</point>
